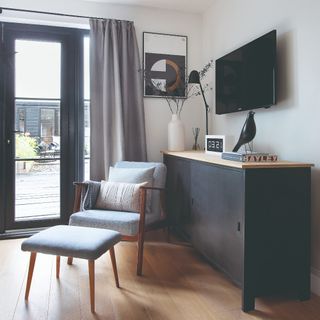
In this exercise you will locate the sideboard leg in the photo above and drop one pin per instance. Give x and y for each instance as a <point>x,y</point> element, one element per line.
<point>247,302</point>
<point>304,293</point>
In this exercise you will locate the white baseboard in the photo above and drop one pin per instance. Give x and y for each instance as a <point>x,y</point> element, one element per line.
<point>315,281</point>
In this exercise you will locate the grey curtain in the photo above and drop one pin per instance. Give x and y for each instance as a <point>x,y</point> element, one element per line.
<point>117,111</point>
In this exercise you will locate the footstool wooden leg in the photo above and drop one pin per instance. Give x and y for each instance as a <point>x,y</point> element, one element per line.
<point>91,281</point>
<point>32,261</point>
<point>70,260</point>
<point>114,265</point>
<point>57,267</point>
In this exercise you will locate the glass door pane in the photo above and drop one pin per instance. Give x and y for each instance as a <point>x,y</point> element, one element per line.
<point>37,127</point>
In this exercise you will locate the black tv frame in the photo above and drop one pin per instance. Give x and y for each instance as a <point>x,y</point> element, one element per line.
<point>235,108</point>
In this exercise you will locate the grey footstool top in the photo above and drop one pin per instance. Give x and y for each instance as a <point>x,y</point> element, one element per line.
<point>72,241</point>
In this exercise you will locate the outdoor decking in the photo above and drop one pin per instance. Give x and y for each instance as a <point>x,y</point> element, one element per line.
<point>38,191</point>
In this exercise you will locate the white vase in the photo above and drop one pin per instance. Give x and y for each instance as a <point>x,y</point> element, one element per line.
<point>176,134</point>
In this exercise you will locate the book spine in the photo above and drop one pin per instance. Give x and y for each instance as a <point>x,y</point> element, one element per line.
<point>260,158</point>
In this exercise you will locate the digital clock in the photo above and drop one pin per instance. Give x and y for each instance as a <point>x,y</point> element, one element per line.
<point>216,144</point>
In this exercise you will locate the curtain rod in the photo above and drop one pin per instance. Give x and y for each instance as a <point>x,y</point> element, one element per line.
<point>55,14</point>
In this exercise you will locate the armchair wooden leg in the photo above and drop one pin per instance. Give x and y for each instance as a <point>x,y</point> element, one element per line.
<point>140,253</point>
<point>32,261</point>
<point>91,282</point>
<point>57,267</point>
<point>114,265</point>
<point>70,260</point>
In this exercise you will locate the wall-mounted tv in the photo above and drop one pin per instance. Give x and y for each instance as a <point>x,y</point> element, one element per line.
<point>246,77</point>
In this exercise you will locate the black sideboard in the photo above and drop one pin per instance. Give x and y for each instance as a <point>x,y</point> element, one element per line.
<point>252,221</point>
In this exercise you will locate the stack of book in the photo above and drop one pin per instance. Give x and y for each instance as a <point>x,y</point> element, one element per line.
<point>249,157</point>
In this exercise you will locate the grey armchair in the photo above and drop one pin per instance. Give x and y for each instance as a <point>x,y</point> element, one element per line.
<point>131,225</point>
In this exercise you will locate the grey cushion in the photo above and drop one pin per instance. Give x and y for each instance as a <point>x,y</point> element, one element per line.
<point>159,180</point>
<point>134,175</point>
<point>131,175</point>
<point>78,242</point>
<point>127,223</point>
<point>119,196</point>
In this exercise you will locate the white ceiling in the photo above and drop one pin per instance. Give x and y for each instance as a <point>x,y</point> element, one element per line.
<point>193,6</point>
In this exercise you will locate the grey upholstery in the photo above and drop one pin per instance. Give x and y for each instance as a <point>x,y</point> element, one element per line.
<point>159,180</point>
<point>134,175</point>
<point>127,223</point>
<point>78,242</point>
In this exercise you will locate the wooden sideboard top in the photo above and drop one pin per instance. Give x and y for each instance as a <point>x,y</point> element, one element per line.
<point>202,156</point>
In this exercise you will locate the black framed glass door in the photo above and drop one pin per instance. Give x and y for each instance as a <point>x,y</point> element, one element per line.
<point>43,124</point>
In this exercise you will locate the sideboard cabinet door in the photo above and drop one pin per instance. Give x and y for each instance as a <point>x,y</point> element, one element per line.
<point>178,194</point>
<point>217,216</point>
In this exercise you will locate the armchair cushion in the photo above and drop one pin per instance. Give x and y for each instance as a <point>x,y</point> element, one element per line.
<point>134,175</point>
<point>159,180</point>
<point>119,196</point>
<point>127,223</point>
<point>131,175</point>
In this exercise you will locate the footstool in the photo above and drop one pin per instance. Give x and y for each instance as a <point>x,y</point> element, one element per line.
<point>73,241</point>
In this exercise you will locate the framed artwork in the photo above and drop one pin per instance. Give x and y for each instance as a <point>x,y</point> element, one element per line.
<point>164,65</point>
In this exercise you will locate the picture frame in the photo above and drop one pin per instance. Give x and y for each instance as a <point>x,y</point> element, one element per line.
<point>164,65</point>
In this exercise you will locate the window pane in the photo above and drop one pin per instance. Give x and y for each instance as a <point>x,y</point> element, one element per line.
<point>37,159</point>
<point>37,118</point>
<point>38,123</point>
<point>37,73</point>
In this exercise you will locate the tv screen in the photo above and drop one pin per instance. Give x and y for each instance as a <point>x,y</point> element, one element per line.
<point>245,78</point>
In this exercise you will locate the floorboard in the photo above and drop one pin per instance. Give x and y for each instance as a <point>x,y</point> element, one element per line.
<point>177,283</point>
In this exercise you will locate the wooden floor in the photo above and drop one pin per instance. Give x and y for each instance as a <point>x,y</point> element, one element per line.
<point>177,284</point>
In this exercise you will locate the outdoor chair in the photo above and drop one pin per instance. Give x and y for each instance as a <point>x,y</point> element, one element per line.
<point>131,225</point>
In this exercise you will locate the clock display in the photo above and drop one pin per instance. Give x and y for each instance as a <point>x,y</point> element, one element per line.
<point>215,144</point>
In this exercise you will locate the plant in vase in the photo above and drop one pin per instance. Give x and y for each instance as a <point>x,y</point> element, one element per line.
<point>176,134</point>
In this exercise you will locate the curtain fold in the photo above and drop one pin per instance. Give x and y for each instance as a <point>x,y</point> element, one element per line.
<point>116,111</point>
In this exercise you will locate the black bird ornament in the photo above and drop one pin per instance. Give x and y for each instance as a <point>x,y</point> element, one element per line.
<point>248,132</point>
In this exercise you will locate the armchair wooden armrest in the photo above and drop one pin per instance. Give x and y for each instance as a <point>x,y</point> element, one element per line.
<point>152,188</point>
<point>162,198</point>
<point>79,188</point>
<point>78,183</point>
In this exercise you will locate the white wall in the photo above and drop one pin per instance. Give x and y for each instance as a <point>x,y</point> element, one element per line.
<point>292,127</point>
<point>154,20</point>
